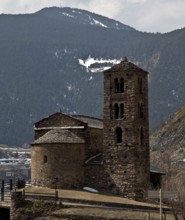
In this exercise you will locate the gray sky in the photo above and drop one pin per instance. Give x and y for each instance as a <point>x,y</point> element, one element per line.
<point>144,15</point>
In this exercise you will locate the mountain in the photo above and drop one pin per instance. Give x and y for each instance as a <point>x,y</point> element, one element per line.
<point>52,61</point>
<point>167,145</point>
<point>77,16</point>
<point>170,134</point>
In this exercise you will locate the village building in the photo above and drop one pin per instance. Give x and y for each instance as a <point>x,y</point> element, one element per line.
<point>110,155</point>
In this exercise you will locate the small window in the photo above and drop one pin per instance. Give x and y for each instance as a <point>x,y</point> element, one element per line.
<point>140,110</point>
<point>141,136</point>
<point>116,86</point>
<point>45,159</point>
<point>121,110</point>
<point>118,135</point>
<point>116,111</point>
<point>122,85</point>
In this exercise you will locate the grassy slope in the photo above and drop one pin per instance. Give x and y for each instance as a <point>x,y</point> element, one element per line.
<point>85,211</point>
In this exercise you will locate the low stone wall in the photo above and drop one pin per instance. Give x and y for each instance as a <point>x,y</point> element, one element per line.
<point>70,210</point>
<point>17,201</point>
<point>22,209</point>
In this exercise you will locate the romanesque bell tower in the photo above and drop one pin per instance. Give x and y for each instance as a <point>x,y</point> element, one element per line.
<point>126,130</point>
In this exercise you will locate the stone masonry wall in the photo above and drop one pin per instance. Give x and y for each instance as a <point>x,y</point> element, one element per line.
<point>64,167</point>
<point>95,177</point>
<point>17,202</point>
<point>126,163</point>
<point>94,140</point>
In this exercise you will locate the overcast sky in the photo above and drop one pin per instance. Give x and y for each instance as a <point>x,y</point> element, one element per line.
<point>144,15</point>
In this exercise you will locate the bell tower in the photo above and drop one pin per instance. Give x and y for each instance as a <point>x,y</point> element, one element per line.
<point>126,130</point>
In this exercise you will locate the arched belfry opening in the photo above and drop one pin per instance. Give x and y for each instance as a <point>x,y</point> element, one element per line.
<point>116,111</point>
<point>116,85</point>
<point>122,85</point>
<point>121,110</point>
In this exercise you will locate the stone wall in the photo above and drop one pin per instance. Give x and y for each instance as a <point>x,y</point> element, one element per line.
<point>95,177</point>
<point>64,167</point>
<point>65,162</point>
<point>17,202</point>
<point>94,141</point>
<point>126,161</point>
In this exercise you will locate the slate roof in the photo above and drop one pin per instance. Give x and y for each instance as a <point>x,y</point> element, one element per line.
<point>59,136</point>
<point>92,122</point>
<point>58,114</point>
<point>125,65</point>
<point>154,169</point>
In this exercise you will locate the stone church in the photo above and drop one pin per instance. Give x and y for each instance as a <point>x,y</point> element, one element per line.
<point>110,155</point>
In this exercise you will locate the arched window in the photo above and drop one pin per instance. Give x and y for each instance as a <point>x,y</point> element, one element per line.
<point>45,159</point>
<point>118,135</point>
<point>141,136</point>
<point>116,86</point>
<point>121,110</point>
<point>122,85</point>
<point>116,111</point>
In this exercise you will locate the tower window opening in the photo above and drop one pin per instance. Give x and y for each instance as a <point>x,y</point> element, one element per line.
<point>140,110</point>
<point>141,136</point>
<point>116,86</point>
<point>118,135</point>
<point>116,111</point>
<point>121,110</point>
<point>45,159</point>
<point>122,85</point>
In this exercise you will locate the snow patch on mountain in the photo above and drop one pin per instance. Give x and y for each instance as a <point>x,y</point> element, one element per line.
<point>89,18</point>
<point>68,15</point>
<point>69,87</point>
<point>90,60</point>
<point>76,12</point>
<point>96,22</point>
<point>99,23</point>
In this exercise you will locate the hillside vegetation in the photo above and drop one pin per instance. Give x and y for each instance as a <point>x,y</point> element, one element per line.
<point>41,74</point>
<point>168,149</point>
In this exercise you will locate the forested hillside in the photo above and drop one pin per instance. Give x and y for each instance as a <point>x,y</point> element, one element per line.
<point>44,59</point>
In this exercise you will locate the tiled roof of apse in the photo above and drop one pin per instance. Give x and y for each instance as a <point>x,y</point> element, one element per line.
<point>59,137</point>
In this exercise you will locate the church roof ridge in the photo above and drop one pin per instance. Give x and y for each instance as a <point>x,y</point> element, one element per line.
<point>126,66</point>
<point>87,120</point>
